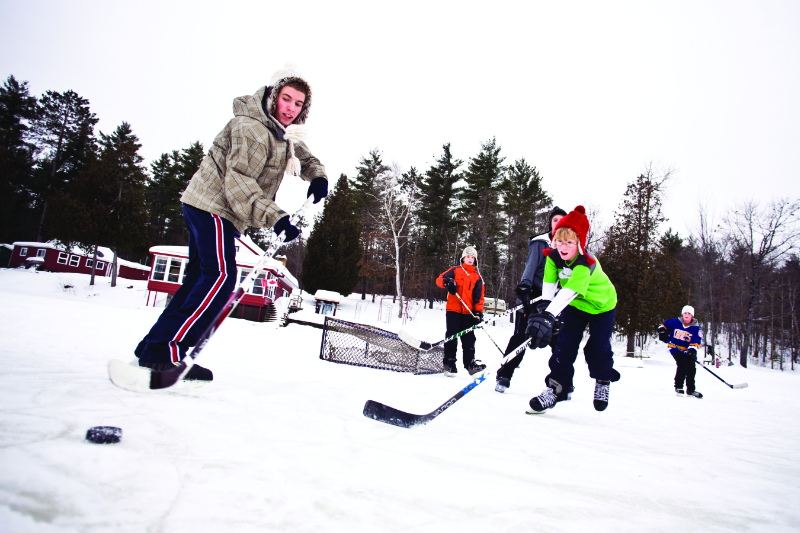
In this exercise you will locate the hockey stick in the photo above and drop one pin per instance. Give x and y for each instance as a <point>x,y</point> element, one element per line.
<point>140,379</point>
<point>390,415</point>
<point>484,330</point>
<point>426,346</point>
<point>737,386</point>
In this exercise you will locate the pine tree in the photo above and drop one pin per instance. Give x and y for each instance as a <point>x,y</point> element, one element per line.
<point>480,211</point>
<point>646,277</point>
<point>64,132</point>
<point>334,251</point>
<point>17,110</point>
<point>171,174</point>
<point>106,203</point>
<point>524,201</point>
<point>365,193</point>
<point>435,216</point>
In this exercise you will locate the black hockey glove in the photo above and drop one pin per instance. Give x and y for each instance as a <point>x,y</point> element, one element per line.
<point>450,285</point>
<point>540,329</point>
<point>541,305</point>
<point>691,353</point>
<point>663,334</point>
<point>524,295</point>
<point>319,188</point>
<point>290,232</point>
<point>478,316</point>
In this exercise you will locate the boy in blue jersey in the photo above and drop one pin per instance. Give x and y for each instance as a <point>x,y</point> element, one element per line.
<point>574,286</point>
<point>683,336</point>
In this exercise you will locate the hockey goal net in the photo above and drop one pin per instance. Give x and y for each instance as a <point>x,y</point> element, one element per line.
<point>362,345</point>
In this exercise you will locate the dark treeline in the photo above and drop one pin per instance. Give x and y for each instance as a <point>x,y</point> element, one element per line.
<point>388,232</point>
<point>742,277</point>
<point>63,181</point>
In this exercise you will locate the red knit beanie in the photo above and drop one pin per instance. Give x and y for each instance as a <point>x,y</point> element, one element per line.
<point>576,221</point>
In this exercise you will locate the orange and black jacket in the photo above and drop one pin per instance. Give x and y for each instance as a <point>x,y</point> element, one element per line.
<point>470,288</point>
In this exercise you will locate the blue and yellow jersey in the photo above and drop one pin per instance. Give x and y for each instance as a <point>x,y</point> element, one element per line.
<point>683,337</point>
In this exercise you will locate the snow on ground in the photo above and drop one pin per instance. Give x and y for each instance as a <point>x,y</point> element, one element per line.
<point>278,443</point>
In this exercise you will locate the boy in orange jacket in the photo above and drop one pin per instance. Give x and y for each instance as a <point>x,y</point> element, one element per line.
<point>464,309</point>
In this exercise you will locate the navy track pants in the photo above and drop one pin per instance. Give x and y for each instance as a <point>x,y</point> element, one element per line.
<point>210,277</point>
<point>598,352</point>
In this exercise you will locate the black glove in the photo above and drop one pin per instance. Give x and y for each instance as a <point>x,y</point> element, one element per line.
<point>450,285</point>
<point>290,232</point>
<point>478,316</point>
<point>541,305</point>
<point>663,334</point>
<point>691,353</point>
<point>319,188</point>
<point>540,329</point>
<point>524,295</point>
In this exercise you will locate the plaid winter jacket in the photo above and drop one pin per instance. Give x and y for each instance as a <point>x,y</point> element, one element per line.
<point>244,167</point>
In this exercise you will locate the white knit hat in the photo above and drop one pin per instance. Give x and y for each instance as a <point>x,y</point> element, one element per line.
<point>688,309</point>
<point>469,250</point>
<point>295,131</point>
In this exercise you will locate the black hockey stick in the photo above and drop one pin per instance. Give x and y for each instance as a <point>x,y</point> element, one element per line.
<point>390,415</point>
<point>426,346</point>
<point>140,379</point>
<point>737,386</point>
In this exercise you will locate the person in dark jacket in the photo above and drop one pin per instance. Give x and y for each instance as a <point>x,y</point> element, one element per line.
<point>683,337</point>
<point>529,288</point>
<point>464,309</point>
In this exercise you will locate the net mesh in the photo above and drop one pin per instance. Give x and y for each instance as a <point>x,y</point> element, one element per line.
<point>361,345</point>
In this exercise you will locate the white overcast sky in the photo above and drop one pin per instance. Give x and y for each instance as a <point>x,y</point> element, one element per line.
<point>588,92</point>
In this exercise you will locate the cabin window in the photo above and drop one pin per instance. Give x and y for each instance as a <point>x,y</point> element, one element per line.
<point>74,260</point>
<point>89,262</point>
<point>160,269</point>
<point>23,252</point>
<point>41,252</point>
<point>174,271</point>
<point>62,258</point>
<point>100,265</point>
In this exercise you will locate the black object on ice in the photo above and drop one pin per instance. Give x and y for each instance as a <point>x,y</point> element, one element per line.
<point>104,434</point>
<point>390,415</point>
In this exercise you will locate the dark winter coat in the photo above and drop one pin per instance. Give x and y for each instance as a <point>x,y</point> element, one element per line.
<point>470,288</point>
<point>683,337</point>
<point>534,265</point>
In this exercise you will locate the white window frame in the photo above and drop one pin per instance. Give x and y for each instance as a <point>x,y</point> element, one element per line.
<point>63,257</point>
<point>74,260</point>
<point>23,252</point>
<point>41,252</point>
<point>163,273</point>
<point>89,262</point>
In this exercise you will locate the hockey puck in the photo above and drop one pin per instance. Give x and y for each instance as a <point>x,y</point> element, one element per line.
<point>104,434</point>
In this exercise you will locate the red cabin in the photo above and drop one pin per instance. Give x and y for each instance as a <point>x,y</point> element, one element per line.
<point>169,264</point>
<point>49,257</point>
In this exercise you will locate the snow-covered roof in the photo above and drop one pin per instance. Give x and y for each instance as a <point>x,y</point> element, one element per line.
<point>103,252</point>
<point>9,246</point>
<point>244,256</point>
<point>328,296</point>
<point>131,264</point>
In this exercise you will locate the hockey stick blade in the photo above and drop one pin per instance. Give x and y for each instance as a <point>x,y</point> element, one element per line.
<point>140,379</point>
<point>414,343</point>
<point>390,415</point>
<point>739,386</point>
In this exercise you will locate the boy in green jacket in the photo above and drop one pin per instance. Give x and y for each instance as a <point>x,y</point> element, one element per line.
<point>586,297</point>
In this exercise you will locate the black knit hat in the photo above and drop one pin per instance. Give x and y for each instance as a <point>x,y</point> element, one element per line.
<point>556,211</point>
